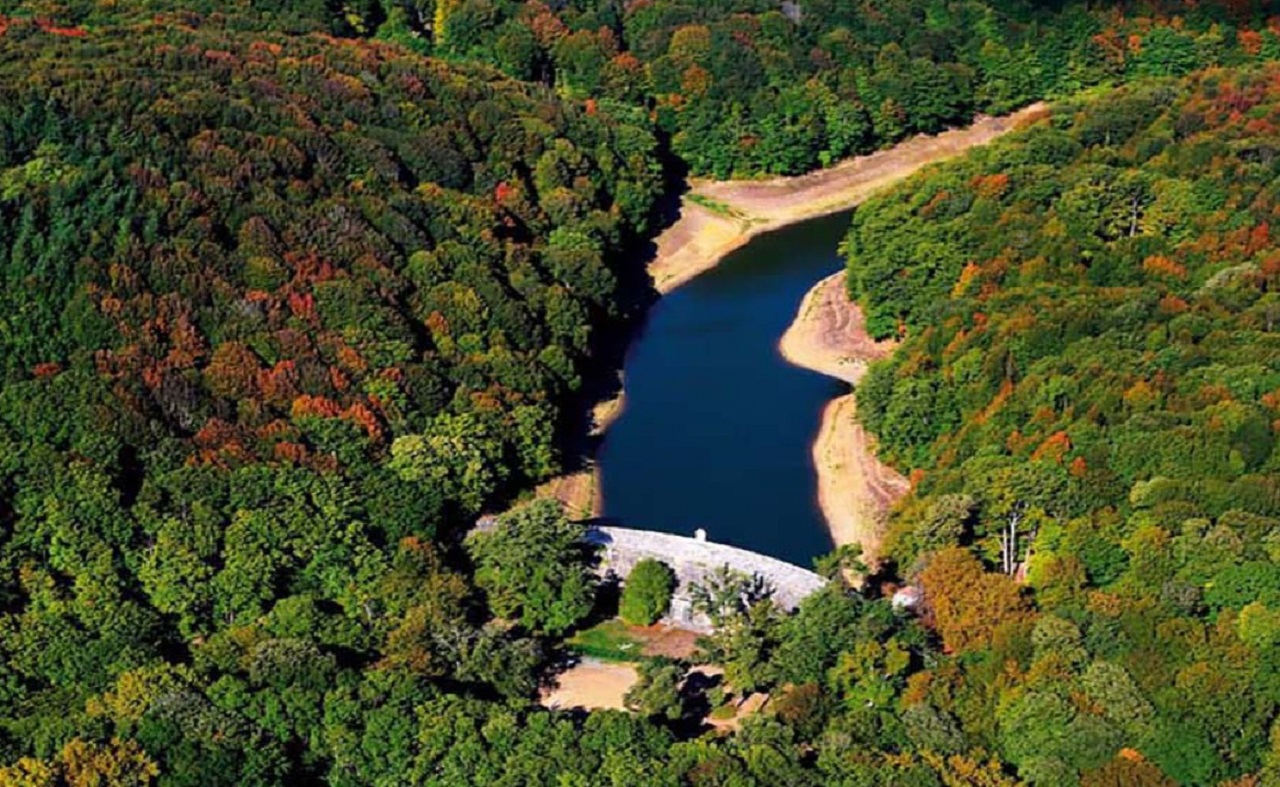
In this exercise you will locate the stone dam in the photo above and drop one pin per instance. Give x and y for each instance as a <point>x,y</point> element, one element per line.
<point>693,560</point>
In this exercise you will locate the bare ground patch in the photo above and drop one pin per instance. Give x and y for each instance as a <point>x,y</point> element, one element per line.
<point>855,489</point>
<point>591,685</point>
<point>668,641</point>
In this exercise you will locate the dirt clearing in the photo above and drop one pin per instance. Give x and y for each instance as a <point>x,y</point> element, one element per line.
<point>591,684</point>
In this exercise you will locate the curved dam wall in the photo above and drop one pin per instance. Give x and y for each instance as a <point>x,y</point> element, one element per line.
<point>693,560</point>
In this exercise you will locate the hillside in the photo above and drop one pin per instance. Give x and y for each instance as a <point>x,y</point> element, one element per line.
<point>291,291</point>
<point>277,310</point>
<point>1089,383</point>
<point>762,87</point>
<point>264,245</point>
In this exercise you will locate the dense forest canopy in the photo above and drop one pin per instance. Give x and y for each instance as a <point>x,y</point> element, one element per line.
<point>1090,382</point>
<point>293,290</point>
<point>264,244</point>
<point>757,86</point>
<point>766,87</point>
<point>278,312</point>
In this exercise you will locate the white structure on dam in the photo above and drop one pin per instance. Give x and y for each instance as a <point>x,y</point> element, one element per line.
<point>693,560</point>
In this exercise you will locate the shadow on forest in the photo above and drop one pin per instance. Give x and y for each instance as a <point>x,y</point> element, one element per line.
<point>602,381</point>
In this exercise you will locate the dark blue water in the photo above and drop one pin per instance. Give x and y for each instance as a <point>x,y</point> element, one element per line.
<point>718,428</point>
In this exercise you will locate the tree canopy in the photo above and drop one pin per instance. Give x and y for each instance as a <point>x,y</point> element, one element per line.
<point>1086,396</point>
<point>646,595</point>
<point>534,568</point>
<point>293,290</point>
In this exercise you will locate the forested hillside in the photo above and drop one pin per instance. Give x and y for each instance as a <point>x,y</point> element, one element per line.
<point>303,249</point>
<point>1090,383</point>
<point>277,311</point>
<point>293,290</point>
<point>767,87</point>
<point>755,87</point>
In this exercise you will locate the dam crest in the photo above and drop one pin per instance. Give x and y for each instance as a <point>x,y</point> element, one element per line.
<point>694,560</point>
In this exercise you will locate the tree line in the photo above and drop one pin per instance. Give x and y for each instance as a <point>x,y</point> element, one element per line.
<point>756,88</point>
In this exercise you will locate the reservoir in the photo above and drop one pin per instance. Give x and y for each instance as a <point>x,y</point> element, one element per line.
<point>718,428</point>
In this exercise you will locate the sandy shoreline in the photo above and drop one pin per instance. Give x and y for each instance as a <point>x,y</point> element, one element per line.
<point>855,489</point>
<point>717,217</point>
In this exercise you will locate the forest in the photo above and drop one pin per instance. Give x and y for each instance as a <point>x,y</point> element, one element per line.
<point>750,87</point>
<point>294,290</point>
<point>1087,395</point>
<point>281,314</point>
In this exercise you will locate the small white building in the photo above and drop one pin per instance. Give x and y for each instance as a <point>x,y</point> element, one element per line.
<point>908,599</point>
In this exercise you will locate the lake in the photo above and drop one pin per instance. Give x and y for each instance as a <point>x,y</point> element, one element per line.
<point>718,428</point>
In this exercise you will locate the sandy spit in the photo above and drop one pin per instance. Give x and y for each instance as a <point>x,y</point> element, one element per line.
<point>855,489</point>
<point>717,217</point>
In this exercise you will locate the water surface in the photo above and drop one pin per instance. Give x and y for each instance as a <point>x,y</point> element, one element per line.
<point>718,428</point>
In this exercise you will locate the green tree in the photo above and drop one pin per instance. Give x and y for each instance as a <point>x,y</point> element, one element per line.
<point>843,561</point>
<point>744,643</point>
<point>534,568</point>
<point>656,693</point>
<point>726,593</point>
<point>458,454</point>
<point>646,594</point>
